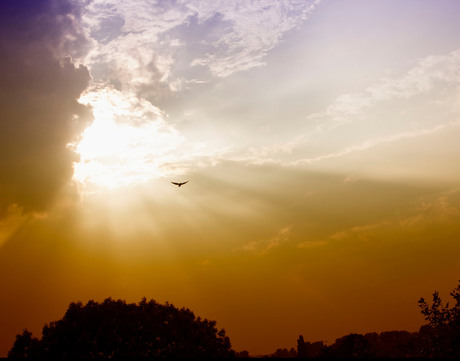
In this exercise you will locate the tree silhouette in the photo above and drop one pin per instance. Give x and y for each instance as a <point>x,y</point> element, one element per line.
<point>119,329</point>
<point>25,346</point>
<point>440,338</point>
<point>444,322</point>
<point>350,346</point>
<point>309,350</point>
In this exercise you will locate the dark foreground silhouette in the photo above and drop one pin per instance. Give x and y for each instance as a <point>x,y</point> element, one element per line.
<point>440,338</point>
<point>118,329</point>
<point>149,330</point>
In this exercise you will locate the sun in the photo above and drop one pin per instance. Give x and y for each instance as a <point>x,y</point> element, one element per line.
<point>128,142</point>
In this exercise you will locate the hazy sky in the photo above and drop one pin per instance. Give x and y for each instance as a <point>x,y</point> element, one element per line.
<point>320,138</point>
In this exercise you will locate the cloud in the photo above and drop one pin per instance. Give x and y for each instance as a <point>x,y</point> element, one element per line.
<point>155,46</point>
<point>423,78</point>
<point>257,27</point>
<point>264,246</point>
<point>374,142</point>
<point>422,103</point>
<point>434,210</point>
<point>427,215</point>
<point>39,88</point>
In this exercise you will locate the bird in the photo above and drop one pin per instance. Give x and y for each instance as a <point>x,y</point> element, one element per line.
<point>180,183</point>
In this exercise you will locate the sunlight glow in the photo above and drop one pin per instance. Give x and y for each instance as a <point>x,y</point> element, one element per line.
<point>129,142</point>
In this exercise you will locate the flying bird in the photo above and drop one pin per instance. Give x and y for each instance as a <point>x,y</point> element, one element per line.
<point>179,184</point>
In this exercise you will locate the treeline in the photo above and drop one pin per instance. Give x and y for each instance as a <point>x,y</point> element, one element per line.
<point>148,329</point>
<point>440,338</point>
<point>388,344</point>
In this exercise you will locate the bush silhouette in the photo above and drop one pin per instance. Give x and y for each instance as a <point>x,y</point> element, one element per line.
<point>119,329</point>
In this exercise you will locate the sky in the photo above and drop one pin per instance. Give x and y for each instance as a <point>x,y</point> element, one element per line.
<point>319,138</point>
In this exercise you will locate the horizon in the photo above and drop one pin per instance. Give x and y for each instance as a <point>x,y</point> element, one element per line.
<point>319,140</point>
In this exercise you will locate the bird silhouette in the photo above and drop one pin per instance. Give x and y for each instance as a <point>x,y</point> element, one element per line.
<point>179,183</point>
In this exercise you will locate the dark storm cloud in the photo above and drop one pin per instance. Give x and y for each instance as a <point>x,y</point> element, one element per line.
<point>39,88</point>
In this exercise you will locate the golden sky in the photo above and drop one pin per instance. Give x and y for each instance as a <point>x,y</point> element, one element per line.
<point>319,138</point>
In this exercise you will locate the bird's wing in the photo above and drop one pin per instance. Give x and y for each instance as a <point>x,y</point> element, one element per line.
<point>185,182</point>
<point>175,183</point>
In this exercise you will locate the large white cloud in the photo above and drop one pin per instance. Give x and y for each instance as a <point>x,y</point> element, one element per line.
<point>140,43</point>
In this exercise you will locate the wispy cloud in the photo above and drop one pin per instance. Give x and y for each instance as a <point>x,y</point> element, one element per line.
<point>257,27</point>
<point>439,210</point>
<point>431,210</point>
<point>422,101</point>
<point>262,247</point>
<point>376,141</point>
<point>421,79</point>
